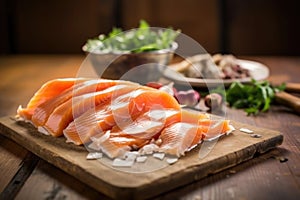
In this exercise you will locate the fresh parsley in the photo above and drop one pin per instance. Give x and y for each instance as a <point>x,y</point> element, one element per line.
<point>138,40</point>
<point>254,97</point>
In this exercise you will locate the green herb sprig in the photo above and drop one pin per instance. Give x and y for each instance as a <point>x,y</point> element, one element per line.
<point>138,40</point>
<point>254,97</point>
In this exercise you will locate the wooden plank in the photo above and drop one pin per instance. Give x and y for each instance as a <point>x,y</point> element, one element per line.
<point>49,182</point>
<point>258,178</point>
<point>20,177</point>
<point>229,151</point>
<point>11,156</point>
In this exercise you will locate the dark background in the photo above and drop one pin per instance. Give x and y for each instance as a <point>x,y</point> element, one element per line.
<point>241,27</point>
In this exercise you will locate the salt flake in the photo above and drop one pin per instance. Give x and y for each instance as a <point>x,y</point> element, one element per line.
<point>94,155</point>
<point>141,159</point>
<point>131,155</point>
<point>245,130</point>
<point>171,160</point>
<point>159,155</point>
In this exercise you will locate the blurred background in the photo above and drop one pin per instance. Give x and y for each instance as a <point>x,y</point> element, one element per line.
<point>248,27</point>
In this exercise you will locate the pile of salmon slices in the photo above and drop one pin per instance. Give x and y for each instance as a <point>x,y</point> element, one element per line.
<point>117,117</point>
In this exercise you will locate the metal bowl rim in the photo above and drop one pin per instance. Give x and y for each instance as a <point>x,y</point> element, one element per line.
<point>173,47</point>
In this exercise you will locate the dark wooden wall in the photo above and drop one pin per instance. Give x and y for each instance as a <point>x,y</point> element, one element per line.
<point>34,26</point>
<point>241,27</point>
<point>263,26</point>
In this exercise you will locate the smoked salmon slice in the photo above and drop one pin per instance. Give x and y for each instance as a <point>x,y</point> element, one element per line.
<point>127,108</point>
<point>193,117</point>
<point>180,137</point>
<point>73,108</point>
<point>122,109</point>
<point>43,111</point>
<point>77,131</point>
<point>135,135</point>
<point>49,90</point>
<point>115,116</point>
<point>116,147</point>
<point>148,125</point>
<point>214,128</point>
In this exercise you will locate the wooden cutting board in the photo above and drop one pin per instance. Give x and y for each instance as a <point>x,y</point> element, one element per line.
<point>227,152</point>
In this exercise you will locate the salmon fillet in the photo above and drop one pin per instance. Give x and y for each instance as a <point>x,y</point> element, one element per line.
<point>60,118</point>
<point>49,90</point>
<point>43,111</point>
<point>117,116</point>
<point>121,109</point>
<point>180,137</point>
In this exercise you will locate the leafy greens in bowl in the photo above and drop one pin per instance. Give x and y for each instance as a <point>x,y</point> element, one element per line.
<point>138,55</point>
<point>142,39</point>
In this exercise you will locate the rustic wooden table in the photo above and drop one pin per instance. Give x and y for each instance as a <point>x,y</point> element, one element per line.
<point>273,175</point>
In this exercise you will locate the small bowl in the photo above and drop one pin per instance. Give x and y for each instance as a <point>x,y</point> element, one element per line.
<point>139,67</point>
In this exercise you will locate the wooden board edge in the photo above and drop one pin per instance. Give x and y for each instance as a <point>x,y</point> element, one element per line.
<point>196,173</point>
<point>59,162</point>
<point>190,174</point>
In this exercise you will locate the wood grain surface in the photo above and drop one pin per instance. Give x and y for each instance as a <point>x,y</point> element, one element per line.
<point>227,152</point>
<point>273,175</point>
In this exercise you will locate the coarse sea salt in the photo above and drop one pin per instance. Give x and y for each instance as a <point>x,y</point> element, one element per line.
<point>159,155</point>
<point>94,155</point>
<point>230,130</point>
<point>171,160</point>
<point>141,159</point>
<point>245,130</point>
<point>131,155</point>
<point>148,149</point>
